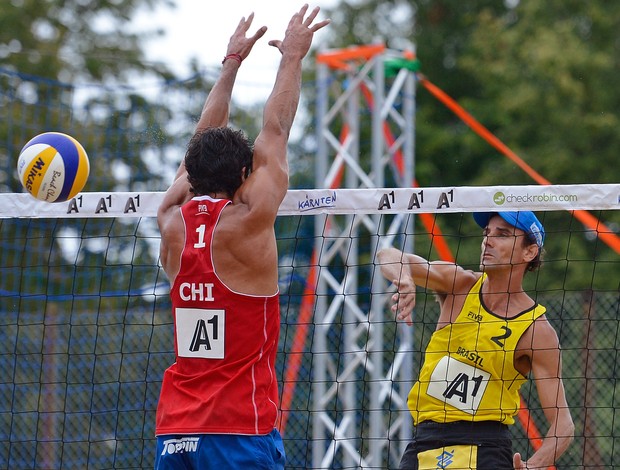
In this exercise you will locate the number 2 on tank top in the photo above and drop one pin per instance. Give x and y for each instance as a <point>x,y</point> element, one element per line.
<point>499,340</point>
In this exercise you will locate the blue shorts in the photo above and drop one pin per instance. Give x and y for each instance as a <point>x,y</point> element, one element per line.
<point>218,451</point>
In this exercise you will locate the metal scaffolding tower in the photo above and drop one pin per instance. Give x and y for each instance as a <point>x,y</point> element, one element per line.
<point>362,361</point>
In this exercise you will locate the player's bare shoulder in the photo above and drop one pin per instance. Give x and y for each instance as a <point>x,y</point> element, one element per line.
<point>543,334</point>
<point>466,278</point>
<point>540,336</point>
<point>454,278</point>
<point>242,228</point>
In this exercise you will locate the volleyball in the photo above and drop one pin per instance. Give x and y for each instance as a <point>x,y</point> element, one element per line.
<point>53,167</point>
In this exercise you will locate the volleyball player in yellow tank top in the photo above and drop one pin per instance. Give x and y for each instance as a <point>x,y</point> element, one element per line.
<point>490,336</point>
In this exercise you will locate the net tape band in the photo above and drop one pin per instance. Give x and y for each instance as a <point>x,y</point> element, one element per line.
<point>341,201</point>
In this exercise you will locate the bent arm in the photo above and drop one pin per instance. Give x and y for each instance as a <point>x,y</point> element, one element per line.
<point>395,268</point>
<point>407,270</point>
<point>547,372</point>
<point>438,276</point>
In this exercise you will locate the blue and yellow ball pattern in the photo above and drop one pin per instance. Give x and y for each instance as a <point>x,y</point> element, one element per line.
<point>53,167</point>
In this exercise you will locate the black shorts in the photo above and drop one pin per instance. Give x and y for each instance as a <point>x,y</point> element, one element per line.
<point>492,440</point>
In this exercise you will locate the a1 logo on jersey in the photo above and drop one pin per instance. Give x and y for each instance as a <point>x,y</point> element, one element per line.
<point>458,384</point>
<point>200,333</point>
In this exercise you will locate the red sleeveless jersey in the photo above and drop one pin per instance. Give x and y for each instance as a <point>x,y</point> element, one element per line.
<point>223,380</point>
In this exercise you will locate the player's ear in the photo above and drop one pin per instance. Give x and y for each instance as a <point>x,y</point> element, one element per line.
<point>245,172</point>
<point>531,252</point>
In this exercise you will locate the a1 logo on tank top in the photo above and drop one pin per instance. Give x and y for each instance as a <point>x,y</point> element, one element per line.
<point>200,332</point>
<point>458,384</point>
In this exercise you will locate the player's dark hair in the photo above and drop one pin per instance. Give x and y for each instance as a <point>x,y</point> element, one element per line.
<point>536,263</point>
<point>215,158</point>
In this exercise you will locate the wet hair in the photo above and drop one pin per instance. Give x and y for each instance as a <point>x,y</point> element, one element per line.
<point>215,158</point>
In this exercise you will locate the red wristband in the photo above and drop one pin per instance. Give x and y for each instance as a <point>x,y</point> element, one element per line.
<point>237,57</point>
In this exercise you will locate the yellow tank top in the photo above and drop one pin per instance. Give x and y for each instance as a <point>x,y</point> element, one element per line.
<point>468,371</point>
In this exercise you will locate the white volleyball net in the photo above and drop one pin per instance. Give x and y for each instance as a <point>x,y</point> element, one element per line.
<point>86,328</point>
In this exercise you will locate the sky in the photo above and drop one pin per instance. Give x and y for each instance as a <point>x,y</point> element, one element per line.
<point>198,29</point>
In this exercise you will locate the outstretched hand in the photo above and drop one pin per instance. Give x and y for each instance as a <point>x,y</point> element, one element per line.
<point>298,35</point>
<point>239,43</point>
<point>404,300</point>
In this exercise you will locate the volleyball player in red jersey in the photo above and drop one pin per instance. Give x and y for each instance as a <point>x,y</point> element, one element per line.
<point>219,401</point>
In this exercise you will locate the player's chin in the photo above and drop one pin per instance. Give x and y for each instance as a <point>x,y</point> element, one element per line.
<point>490,266</point>
<point>487,264</point>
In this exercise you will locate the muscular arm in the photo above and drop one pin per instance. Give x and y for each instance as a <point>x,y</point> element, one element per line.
<point>216,108</point>
<point>214,114</point>
<point>406,271</point>
<point>547,371</point>
<point>267,185</point>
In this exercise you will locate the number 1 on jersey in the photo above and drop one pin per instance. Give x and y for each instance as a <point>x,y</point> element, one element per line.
<point>201,236</point>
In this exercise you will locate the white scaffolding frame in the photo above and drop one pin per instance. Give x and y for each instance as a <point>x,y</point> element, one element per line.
<point>359,426</point>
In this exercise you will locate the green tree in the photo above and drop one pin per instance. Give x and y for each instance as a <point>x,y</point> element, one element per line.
<point>540,76</point>
<point>65,43</point>
<point>75,40</point>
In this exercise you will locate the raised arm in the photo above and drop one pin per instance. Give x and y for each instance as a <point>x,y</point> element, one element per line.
<point>214,114</point>
<point>217,105</point>
<point>216,108</point>
<point>267,185</point>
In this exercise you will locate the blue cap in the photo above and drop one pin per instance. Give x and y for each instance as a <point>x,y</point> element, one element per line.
<point>523,220</point>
